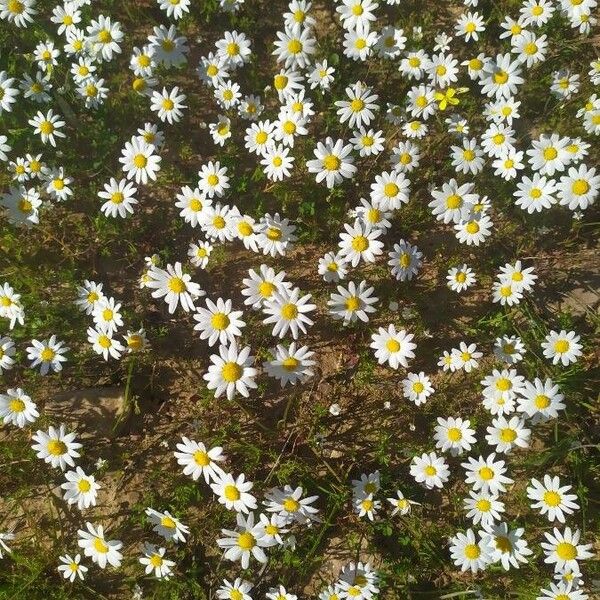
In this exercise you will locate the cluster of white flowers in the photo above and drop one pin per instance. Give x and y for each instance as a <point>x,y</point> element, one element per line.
<point>382,146</point>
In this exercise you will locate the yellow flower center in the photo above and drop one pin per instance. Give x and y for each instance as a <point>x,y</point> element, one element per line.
<point>390,189</point>
<point>291,505</point>
<point>56,447</point>
<point>360,44</point>
<point>168,104</point>
<point>15,7</point>
<point>475,64</point>
<point>231,493</point>
<point>117,197</point>
<point>212,70</point>
<point>392,345</point>
<point>201,458</point>
<point>331,162</point>
<point>46,127</point>
<point>550,153</point>
<point>84,485</point>
<point>266,289</point>
<point>472,551</point>
<point>498,139</point>
<point>100,546</point>
<point>468,155</point>
<point>483,505</point>
<point>561,346</point>
<point>143,60</point>
<point>500,77</point>
<point>195,205</point>
<point>156,561</point>
<point>541,401</point>
<point>566,551</point>
<point>104,341</point>
<point>220,321</point>
<point>454,201</point>
<point>472,227</point>
<point>294,46</point>
<point>140,161</point>
<point>232,49</point>
<point>352,303</point>
<point>246,541</point>
<point>289,311</point>
<point>414,62</point>
<point>508,435</point>
<point>357,105</point>
<point>168,523</point>
<point>580,187</point>
<point>274,234</point>
<point>360,243</point>
<point>290,363</point>
<point>503,384</point>
<point>430,470</point>
<point>47,354</point>
<point>16,405</point>
<point>486,473</point>
<point>418,387</point>
<point>552,498</point>
<point>461,277</point>
<point>280,82</point>
<point>104,36</point>
<point>177,285</point>
<point>231,372</point>
<point>271,530</point>
<point>530,48</point>
<point>454,434</point>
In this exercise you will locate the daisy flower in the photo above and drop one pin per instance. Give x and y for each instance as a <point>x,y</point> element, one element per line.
<point>260,286</point>
<point>167,526</point>
<point>98,548</point>
<point>430,469</point>
<point>417,388</point>
<point>563,347</point>
<point>353,302</point>
<point>401,504</point>
<point>103,343</point>
<point>486,474</point>
<point>465,357</point>
<point>48,354</point>
<point>218,322</point>
<point>540,400</point>
<point>290,365</point>
<point>175,286</point>
<point>7,351</point>
<point>80,489</point>
<point>460,278</point>
<point>468,553</point>
<point>231,372</point>
<point>168,105</point>
<point>333,162</point>
<point>197,460</point>
<point>454,435</point>
<point>247,541</point>
<point>56,447</point>
<point>360,242</point>
<point>287,311</point>
<point>405,261</point>
<point>507,546</point>
<point>563,550</point>
<point>507,434</point>
<point>47,126</point>
<point>17,408</point>
<point>483,507</point>
<point>289,503</point>
<point>71,568</point>
<point>552,499</point>
<point>509,349</point>
<point>140,161</point>
<point>333,267</point>
<point>153,558</point>
<point>233,492</point>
